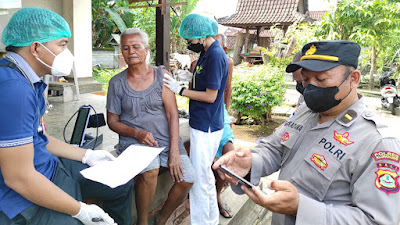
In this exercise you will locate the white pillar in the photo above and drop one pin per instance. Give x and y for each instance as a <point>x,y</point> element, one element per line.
<point>78,14</point>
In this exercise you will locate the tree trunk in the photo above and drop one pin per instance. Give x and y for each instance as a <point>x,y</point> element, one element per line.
<point>331,35</point>
<point>398,81</point>
<point>290,48</point>
<point>179,43</point>
<point>173,43</point>
<point>373,67</point>
<point>238,118</point>
<point>341,32</point>
<point>269,114</point>
<point>238,48</point>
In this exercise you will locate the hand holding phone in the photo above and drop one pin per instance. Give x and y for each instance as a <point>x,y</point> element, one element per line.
<point>241,180</point>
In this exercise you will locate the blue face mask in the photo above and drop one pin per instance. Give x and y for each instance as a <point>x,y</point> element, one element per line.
<point>320,99</point>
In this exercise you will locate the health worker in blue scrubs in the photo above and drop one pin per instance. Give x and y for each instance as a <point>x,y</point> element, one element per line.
<point>206,112</point>
<point>40,183</point>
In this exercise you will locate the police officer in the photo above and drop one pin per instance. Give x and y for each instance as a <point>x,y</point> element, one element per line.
<point>338,164</point>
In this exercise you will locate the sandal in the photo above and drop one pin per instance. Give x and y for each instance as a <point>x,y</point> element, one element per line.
<point>225,211</point>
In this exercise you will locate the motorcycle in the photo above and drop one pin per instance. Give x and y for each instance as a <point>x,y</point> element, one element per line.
<point>389,92</point>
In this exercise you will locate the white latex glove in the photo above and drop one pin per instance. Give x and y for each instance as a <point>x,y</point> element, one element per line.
<point>95,157</point>
<point>184,75</point>
<point>172,84</point>
<point>93,215</point>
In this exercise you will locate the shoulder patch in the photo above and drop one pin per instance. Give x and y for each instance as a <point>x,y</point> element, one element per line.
<point>388,165</point>
<point>386,155</point>
<point>387,181</point>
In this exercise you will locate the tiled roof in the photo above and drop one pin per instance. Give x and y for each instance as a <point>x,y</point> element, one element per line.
<point>230,42</point>
<point>231,34</point>
<point>262,13</point>
<point>316,15</point>
<point>264,33</point>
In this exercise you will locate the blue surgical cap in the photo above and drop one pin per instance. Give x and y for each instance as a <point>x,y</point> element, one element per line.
<point>195,26</point>
<point>33,24</point>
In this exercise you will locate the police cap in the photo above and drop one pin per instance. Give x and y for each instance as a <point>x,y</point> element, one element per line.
<point>324,55</point>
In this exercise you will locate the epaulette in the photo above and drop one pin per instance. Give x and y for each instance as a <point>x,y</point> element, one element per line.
<point>381,127</point>
<point>348,118</point>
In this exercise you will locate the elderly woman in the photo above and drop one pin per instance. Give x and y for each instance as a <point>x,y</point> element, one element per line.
<point>144,112</point>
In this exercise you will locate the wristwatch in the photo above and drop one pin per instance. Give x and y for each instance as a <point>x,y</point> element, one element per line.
<point>181,92</point>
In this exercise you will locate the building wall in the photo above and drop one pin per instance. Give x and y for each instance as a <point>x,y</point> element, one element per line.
<point>105,59</point>
<point>78,15</point>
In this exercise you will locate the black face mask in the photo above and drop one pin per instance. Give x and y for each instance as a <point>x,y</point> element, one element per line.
<point>320,99</point>
<point>196,47</point>
<point>299,87</point>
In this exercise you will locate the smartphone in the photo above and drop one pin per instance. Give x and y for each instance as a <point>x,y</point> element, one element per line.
<point>242,181</point>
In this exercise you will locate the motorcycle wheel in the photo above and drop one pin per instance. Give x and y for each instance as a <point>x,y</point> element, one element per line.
<point>392,109</point>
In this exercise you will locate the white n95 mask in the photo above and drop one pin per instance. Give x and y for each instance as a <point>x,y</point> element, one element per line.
<point>62,64</point>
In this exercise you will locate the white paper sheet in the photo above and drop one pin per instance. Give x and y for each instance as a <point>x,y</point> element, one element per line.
<point>118,172</point>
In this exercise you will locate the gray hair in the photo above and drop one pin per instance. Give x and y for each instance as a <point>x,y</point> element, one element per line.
<point>223,38</point>
<point>135,31</point>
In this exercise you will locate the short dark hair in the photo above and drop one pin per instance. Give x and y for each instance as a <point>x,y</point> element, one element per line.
<point>11,48</point>
<point>349,70</point>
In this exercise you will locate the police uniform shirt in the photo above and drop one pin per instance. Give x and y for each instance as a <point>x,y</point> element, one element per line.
<point>346,170</point>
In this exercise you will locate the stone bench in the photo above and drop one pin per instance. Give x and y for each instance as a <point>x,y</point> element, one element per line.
<point>66,90</point>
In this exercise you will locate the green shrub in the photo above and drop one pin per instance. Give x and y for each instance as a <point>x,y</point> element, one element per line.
<point>270,59</point>
<point>104,75</point>
<point>255,94</point>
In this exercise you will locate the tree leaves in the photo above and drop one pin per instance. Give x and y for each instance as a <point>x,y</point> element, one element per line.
<point>116,18</point>
<point>374,24</point>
